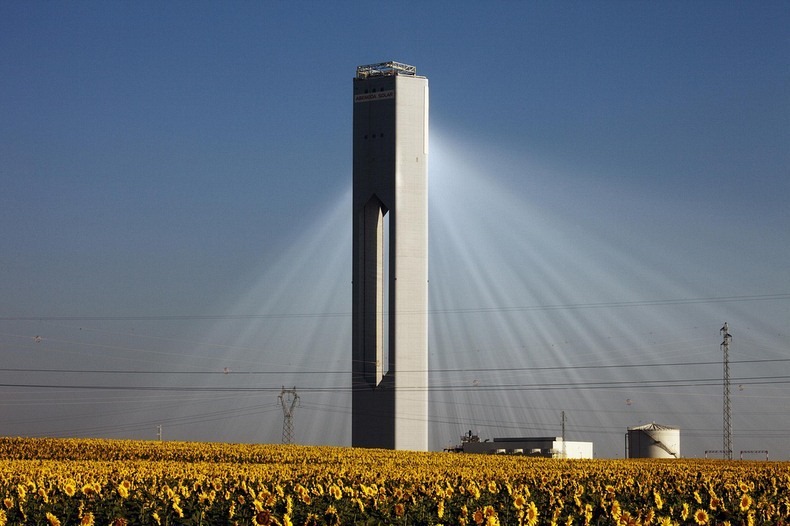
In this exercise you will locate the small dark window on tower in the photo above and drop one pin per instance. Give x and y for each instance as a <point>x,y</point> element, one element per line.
<point>381,135</point>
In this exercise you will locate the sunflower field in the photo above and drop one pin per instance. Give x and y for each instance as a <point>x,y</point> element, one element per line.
<point>119,483</point>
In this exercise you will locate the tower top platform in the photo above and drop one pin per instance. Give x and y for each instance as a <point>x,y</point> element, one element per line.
<point>385,69</point>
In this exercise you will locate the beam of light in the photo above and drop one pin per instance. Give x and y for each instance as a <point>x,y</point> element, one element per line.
<point>532,265</point>
<point>294,317</point>
<point>509,231</point>
<point>506,233</point>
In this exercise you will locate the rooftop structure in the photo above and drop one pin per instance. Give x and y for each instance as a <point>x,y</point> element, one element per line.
<point>385,69</point>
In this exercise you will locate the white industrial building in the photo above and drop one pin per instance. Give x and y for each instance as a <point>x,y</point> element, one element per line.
<point>551,447</point>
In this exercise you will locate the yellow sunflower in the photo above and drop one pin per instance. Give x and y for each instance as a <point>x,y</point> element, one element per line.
<point>264,518</point>
<point>701,517</point>
<point>659,501</point>
<point>532,514</point>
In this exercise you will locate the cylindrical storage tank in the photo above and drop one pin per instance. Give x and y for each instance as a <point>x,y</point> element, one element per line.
<point>653,441</point>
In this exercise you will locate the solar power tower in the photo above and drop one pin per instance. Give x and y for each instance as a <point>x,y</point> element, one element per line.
<point>390,261</point>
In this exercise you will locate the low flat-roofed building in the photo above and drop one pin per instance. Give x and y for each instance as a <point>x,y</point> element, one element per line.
<point>551,447</point>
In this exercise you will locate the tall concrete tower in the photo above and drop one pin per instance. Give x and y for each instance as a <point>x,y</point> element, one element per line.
<point>390,268</point>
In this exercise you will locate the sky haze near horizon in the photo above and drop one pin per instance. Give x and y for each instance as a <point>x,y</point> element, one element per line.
<point>609,183</point>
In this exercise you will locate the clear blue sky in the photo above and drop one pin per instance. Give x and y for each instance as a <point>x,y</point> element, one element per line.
<point>609,184</point>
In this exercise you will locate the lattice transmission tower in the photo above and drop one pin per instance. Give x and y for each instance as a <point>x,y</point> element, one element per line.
<point>290,401</point>
<point>727,431</point>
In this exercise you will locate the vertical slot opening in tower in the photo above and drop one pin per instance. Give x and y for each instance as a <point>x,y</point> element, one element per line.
<point>386,283</point>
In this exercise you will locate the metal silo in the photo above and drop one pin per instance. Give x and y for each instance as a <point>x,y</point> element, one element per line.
<point>653,441</point>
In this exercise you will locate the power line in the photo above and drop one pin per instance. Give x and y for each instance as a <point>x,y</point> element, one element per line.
<point>561,386</point>
<point>205,417</point>
<point>216,415</point>
<point>543,425</point>
<point>432,370</point>
<point>198,418</point>
<point>566,306</point>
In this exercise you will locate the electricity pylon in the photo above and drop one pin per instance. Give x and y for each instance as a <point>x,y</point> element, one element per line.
<point>564,448</point>
<point>290,401</point>
<point>727,432</point>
